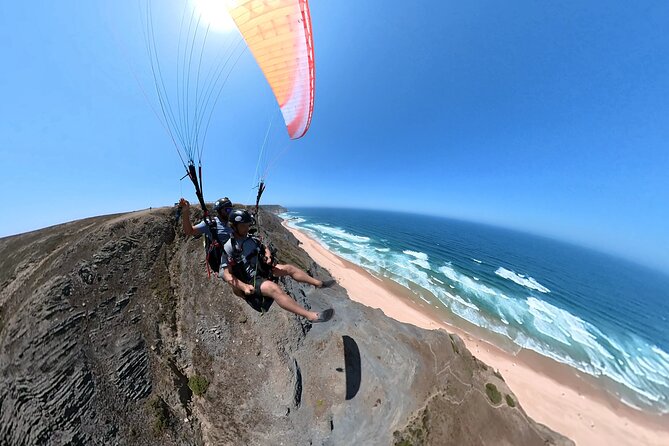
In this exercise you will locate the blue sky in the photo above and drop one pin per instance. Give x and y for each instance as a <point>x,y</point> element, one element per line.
<point>550,117</point>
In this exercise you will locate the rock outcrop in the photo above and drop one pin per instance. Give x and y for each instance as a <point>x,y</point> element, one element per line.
<point>112,333</point>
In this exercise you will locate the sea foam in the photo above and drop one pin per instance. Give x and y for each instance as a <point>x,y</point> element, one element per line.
<point>470,285</point>
<point>530,322</point>
<point>420,258</point>
<point>337,233</point>
<point>522,280</point>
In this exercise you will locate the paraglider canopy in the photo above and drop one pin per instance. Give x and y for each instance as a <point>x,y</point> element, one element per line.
<point>278,33</point>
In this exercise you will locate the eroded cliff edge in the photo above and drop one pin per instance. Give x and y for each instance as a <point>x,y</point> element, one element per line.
<point>103,322</point>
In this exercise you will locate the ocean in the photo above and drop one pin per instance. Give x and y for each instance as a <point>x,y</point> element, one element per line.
<point>602,315</point>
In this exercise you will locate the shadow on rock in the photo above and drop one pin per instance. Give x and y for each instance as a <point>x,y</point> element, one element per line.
<point>353,368</point>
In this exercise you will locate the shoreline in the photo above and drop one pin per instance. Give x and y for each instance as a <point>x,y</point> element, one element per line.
<point>551,393</point>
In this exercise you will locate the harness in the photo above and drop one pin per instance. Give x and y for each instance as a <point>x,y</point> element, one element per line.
<point>248,267</point>
<point>213,248</point>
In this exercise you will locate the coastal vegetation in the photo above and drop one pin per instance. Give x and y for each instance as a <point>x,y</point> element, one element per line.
<point>198,384</point>
<point>160,413</point>
<point>494,394</point>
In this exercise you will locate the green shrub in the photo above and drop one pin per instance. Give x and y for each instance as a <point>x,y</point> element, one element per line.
<point>454,344</point>
<point>198,384</point>
<point>510,401</point>
<point>493,393</point>
<point>161,414</point>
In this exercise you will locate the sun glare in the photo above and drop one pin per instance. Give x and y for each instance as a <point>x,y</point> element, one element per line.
<point>215,15</point>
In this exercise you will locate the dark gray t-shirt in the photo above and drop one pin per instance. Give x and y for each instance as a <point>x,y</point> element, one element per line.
<point>245,248</point>
<point>242,256</point>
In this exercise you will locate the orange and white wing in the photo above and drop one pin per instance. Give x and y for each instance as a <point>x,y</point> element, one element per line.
<point>278,33</point>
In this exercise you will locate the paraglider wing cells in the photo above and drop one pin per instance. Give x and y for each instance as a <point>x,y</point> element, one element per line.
<point>278,33</point>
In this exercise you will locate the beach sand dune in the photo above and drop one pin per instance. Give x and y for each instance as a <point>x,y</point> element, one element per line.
<point>551,393</point>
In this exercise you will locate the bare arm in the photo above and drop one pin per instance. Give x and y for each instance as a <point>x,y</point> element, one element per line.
<point>236,283</point>
<point>185,218</point>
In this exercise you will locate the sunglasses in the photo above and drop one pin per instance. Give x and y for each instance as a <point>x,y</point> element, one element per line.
<point>227,210</point>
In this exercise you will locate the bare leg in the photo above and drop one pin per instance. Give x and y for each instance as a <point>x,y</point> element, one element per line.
<point>271,289</point>
<point>295,273</point>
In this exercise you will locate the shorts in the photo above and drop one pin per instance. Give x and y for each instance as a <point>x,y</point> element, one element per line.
<point>257,283</point>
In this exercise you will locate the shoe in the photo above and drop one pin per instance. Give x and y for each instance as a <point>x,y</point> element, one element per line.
<point>328,283</point>
<point>324,316</point>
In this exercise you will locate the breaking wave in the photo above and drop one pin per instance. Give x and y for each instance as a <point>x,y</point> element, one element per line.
<point>520,279</point>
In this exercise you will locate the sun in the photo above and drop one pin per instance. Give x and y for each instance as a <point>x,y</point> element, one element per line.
<point>214,14</point>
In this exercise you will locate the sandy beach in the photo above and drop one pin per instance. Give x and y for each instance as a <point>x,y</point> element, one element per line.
<point>551,393</point>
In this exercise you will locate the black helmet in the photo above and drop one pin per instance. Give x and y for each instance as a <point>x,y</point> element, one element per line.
<point>222,203</point>
<point>241,216</point>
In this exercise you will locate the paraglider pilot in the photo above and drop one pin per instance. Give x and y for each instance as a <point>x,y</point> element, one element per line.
<point>248,266</point>
<point>222,207</point>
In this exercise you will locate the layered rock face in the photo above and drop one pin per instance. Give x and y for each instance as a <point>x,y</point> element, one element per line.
<point>104,321</point>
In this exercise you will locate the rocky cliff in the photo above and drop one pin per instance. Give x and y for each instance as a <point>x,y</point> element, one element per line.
<point>112,333</point>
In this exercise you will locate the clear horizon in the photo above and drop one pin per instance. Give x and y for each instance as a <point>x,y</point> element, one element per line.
<point>577,243</point>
